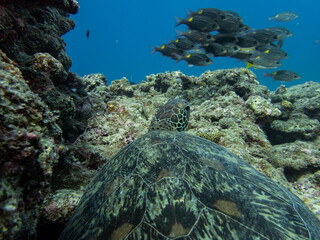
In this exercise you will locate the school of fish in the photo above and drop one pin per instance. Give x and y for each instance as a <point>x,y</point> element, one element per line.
<point>216,33</point>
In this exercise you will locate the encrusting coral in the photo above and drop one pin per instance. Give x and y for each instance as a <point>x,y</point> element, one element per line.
<point>29,140</point>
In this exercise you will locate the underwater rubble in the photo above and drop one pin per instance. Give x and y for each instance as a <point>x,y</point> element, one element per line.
<point>57,129</point>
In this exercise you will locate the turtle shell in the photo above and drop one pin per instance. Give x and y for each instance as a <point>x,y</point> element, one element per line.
<point>171,185</point>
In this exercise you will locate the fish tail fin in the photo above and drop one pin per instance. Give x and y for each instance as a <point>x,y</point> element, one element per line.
<point>154,49</point>
<point>249,65</point>
<point>179,21</point>
<point>178,58</point>
<point>270,18</point>
<point>190,13</point>
<point>180,33</point>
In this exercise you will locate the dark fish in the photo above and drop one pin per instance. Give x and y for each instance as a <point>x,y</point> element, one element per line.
<point>229,26</point>
<point>170,50</point>
<point>225,38</point>
<point>197,59</point>
<point>281,32</point>
<point>272,52</point>
<point>231,48</point>
<point>242,56</point>
<point>247,50</point>
<point>247,41</point>
<point>283,75</point>
<point>214,48</point>
<point>199,23</point>
<point>244,28</point>
<point>232,14</point>
<point>263,36</point>
<point>316,42</point>
<point>184,43</point>
<point>196,36</point>
<point>234,50</point>
<point>284,16</point>
<point>88,33</point>
<point>212,13</point>
<point>262,62</point>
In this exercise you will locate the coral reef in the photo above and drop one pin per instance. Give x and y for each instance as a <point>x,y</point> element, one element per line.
<point>298,126</point>
<point>57,209</point>
<point>262,108</point>
<point>29,140</point>
<point>301,113</point>
<point>229,107</point>
<point>30,35</point>
<point>305,98</point>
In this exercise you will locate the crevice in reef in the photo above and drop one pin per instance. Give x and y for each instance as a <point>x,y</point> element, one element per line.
<point>292,175</point>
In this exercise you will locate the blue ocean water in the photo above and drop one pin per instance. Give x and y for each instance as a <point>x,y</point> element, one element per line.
<point>122,34</point>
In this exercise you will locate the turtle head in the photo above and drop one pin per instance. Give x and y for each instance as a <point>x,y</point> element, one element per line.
<point>173,116</point>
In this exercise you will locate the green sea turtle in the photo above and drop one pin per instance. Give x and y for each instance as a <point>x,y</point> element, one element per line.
<point>172,185</point>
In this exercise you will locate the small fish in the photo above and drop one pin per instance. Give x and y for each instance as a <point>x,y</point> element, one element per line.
<point>271,52</point>
<point>232,14</point>
<point>184,43</point>
<point>196,36</point>
<point>262,62</point>
<point>199,23</point>
<point>247,41</point>
<point>197,59</point>
<point>231,48</point>
<point>316,42</point>
<point>229,26</point>
<point>225,38</point>
<point>257,66</point>
<point>244,28</point>
<point>88,33</point>
<point>283,75</point>
<point>212,13</point>
<point>242,56</point>
<point>215,49</point>
<point>281,32</point>
<point>246,50</point>
<point>169,50</point>
<point>263,36</point>
<point>284,16</point>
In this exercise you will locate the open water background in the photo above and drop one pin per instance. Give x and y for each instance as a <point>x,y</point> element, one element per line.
<point>123,32</point>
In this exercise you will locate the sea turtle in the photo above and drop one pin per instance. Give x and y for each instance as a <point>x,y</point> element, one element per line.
<point>173,185</point>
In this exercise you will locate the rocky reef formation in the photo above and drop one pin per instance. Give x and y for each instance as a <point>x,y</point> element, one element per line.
<point>228,107</point>
<point>30,143</point>
<point>30,35</point>
<point>34,70</point>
